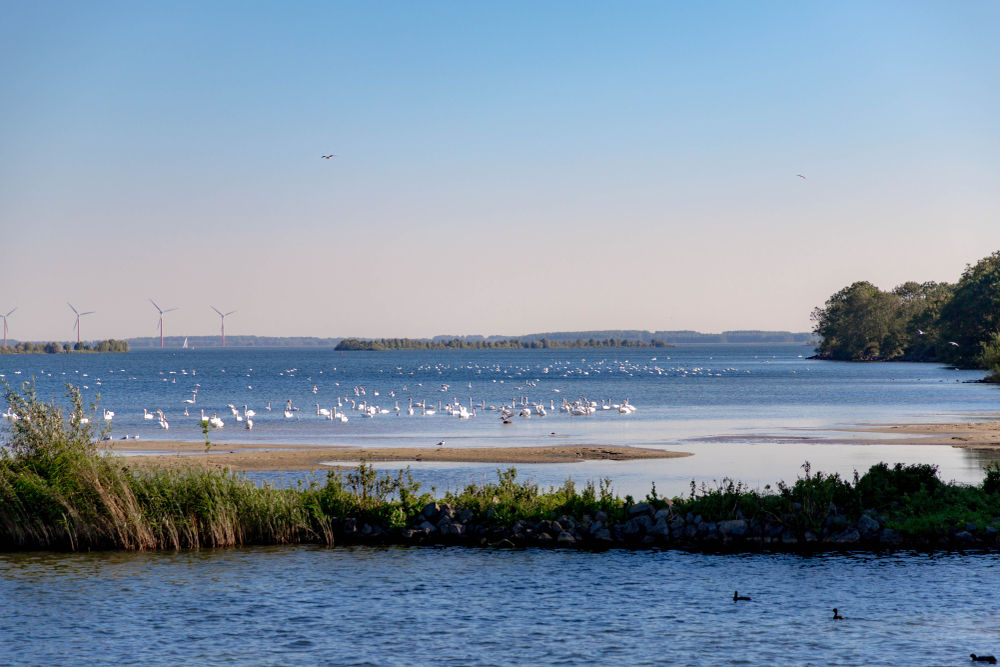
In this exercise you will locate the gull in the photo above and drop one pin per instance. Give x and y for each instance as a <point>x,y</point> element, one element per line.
<point>441,444</point>
<point>953,343</point>
<point>800,176</point>
<point>919,332</point>
<point>327,157</point>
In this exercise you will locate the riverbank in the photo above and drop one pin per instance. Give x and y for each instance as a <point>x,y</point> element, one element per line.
<point>259,457</point>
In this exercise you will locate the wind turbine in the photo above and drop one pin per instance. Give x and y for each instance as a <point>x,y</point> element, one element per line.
<point>78,316</point>
<point>161,318</point>
<point>5,327</point>
<point>223,323</point>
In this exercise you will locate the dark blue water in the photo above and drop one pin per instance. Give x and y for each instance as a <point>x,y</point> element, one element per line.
<point>465,607</point>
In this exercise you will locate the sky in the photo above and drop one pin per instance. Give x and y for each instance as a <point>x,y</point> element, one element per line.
<point>502,168</point>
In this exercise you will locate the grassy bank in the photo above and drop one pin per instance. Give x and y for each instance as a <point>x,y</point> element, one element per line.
<point>57,491</point>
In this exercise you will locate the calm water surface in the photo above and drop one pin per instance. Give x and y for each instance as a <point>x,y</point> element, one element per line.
<point>448,606</point>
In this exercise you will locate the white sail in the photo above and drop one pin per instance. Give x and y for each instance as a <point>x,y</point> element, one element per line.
<point>185,342</point>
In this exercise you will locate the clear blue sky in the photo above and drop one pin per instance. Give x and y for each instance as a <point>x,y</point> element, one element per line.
<point>502,168</point>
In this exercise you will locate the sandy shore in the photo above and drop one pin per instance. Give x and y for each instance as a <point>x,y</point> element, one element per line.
<point>974,435</point>
<point>296,457</point>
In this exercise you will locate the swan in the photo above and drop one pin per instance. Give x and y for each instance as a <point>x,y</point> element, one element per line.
<point>108,416</point>
<point>288,414</point>
<point>193,398</point>
<point>216,422</point>
<point>324,412</point>
<point>268,405</point>
<point>147,415</point>
<point>186,412</point>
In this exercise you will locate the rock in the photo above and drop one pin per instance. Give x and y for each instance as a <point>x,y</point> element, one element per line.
<point>367,530</point>
<point>691,531</point>
<point>596,527</point>
<point>505,544</point>
<point>431,510</point>
<point>564,539</point>
<point>890,537</point>
<point>648,541</point>
<point>837,524</point>
<point>603,536</point>
<point>660,529</point>
<point>633,528</point>
<point>544,527</point>
<point>698,520</point>
<point>867,525</point>
<point>971,528</point>
<point>444,522</point>
<point>965,537</point>
<point>677,525</point>
<point>810,536</point>
<point>428,527</point>
<point>735,528</point>
<point>662,514</point>
<point>465,516</point>
<point>788,537</point>
<point>990,533</point>
<point>543,538</point>
<point>453,528</point>
<point>447,510</point>
<point>350,526</point>
<point>846,537</point>
<point>601,516</point>
<point>639,508</point>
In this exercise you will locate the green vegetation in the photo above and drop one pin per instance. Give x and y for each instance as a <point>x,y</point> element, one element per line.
<point>957,324</point>
<point>27,347</point>
<point>59,491</point>
<point>380,344</point>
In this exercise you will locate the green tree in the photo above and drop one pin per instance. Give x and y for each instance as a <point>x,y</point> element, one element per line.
<point>972,315</point>
<point>861,323</point>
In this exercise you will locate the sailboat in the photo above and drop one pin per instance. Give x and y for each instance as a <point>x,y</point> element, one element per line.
<point>185,342</point>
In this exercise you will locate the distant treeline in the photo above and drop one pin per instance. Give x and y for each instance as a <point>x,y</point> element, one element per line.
<point>670,337</point>
<point>235,341</point>
<point>26,347</point>
<point>356,344</point>
<point>956,324</point>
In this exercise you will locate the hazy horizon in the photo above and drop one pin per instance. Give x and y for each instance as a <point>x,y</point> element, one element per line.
<point>561,167</point>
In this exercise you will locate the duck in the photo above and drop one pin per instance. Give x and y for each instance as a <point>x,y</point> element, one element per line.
<point>739,598</point>
<point>983,658</point>
<point>836,615</point>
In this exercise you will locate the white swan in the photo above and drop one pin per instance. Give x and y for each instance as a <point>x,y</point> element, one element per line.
<point>147,415</point>
<point>322,411</point>
<point>108,416</point>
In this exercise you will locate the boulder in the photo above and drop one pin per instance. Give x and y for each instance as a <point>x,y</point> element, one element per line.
<point>367,530</point>
<point>659,529</point>
<point>601,516</point>
<point>867,525</point>
<point>662,514</point>
<point>691,531</point>
<point>735,528</point>
<point>596,527</point>
<point>431,510</point>
<point>447,510</point>
<point>965,537</point>
<point>350,526</point>
<point>788,536</point>
<point>543,538</point>
<point>428,527</point>
<point>648,542</point>
<point>890,537</point>
<point>639,508</point>
<point>810,536</point>
<point>443,522</point>
<point>564,539</point>
<point>603,535</point>
<point>846,537</point>
<point>465,516</point>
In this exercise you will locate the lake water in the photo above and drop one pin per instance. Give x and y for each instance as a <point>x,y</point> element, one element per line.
<point>467,607</point>
<point>687,398</point>
<point>739,409</point>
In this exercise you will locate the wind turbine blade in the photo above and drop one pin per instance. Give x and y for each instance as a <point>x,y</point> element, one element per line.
<point>230,313</point>
<point>88,313</point>
<point>71,307</point>
<point>167,311</point>
<point>8,314</point>
<point>76,324</point>
<point>155,306</point>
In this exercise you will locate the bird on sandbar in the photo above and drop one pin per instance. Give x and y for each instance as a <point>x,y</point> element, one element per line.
<point>739,598</point>
<point>837,616</point>
<point>983,658</point>
<point>441,444</point>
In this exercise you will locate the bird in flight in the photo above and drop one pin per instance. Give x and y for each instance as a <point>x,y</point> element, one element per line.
<point>800,176</point>
<point>953,343</point>
<point>327,157</point>
<point>920,332</point>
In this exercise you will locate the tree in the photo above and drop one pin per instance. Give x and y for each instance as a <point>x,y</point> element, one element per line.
<point>861,323</point>
<point>972,315</point>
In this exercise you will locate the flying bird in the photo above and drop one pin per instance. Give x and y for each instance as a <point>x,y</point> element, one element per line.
<point>953,343</point>
<point>327,157</point>
<point>800,176</point>
<point>920,332</point>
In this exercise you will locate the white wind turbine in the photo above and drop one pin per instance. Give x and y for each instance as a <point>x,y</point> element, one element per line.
<point>78,316</point>
<point>5,327</point>
<point>223,323</point>
<point>161,318</point>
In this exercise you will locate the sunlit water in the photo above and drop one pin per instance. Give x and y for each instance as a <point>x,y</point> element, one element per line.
<point>464,607</point>
<point>684,396</point>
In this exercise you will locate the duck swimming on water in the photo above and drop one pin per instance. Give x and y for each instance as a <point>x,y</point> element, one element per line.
<point>836,616</point>
<point>983,658</point>
<point>739,598</point>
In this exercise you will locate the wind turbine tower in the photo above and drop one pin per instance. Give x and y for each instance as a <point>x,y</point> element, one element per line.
<point>78,316</point>
<point>223,323</point>
<point>161,318</point>
<point>5,327</point>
